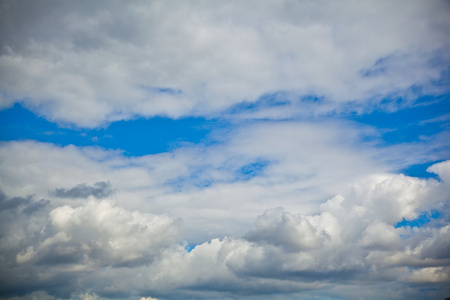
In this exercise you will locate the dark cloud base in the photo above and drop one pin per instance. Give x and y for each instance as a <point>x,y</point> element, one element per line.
<point>99,190</point>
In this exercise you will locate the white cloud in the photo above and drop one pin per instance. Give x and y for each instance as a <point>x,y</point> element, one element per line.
<point>442,169</point>
<point>440,274</point>
<point>112,250</point>
<point>280,252</point>
<point>99,234</point>
<point>296,234</point>
<point>108,61</point>
<point>381,236</point>
<point>109,234</point>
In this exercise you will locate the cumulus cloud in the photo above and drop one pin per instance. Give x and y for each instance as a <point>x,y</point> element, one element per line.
<point>109,250</point>
<point>100,234</point>
<point>77,240</point>
<point>110,61</point>
<point>346,242</point>
<point>279,229</point>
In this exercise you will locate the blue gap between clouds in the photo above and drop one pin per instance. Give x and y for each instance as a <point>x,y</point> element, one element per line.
<point>409,125</point>
<point>252,170</point>
<point>423,219</point>
<point>420,170</point>
<point>190,247</point>
<point>135,137</point>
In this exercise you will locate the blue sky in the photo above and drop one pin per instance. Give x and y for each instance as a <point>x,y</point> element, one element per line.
<point>212,150</point>
<point>428,116</point>
<point>134,137</point>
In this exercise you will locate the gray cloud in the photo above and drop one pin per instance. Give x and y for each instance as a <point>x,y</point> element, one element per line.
<point>26,205</point>
<point>280,229</point>
<point>111,251</point>
<point>337,52</point>
<point>98,190</point>
<point>12,203</point>
<point>100,234</point>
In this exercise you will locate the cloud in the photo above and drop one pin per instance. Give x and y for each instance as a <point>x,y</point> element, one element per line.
<point>11,203</point>
<point>115,61</point>
<point>291,199</point>
<point>80,240</point>
<point>110,250</point>
<point>89,296</point>
<point>429,275</point>
<point>208,184</point>
<point>98,190</point>
<point>345,243</point>
<point>279,229</point>
<point>26,205</point>
<point>100,234</point>
<point>219,186</point>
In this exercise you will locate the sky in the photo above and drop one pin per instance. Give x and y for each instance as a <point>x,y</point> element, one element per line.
<point>224,150</point>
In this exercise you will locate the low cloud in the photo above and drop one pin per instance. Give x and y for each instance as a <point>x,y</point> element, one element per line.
<point>98,190</point>
<point>100,234</point>
<point>26,205</point>
<point>349,242</point>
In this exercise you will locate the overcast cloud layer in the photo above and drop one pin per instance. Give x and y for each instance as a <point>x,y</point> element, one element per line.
<point>300,190</point>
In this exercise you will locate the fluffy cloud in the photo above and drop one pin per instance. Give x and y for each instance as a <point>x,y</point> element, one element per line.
<point>107,234</point>
<point>109,250</point>
<point>279,229</point>
<point>345,243</point>
<point>111,60</point>
<point>73,241</point>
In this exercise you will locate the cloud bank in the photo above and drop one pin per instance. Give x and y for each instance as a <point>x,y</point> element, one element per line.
<point>89,64</point>
<point>352,241</point>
